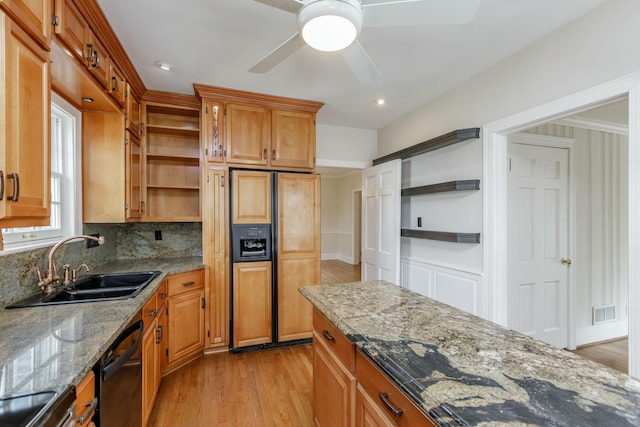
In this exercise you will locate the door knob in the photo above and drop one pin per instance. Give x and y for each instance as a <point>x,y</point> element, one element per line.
<point>566,261</point>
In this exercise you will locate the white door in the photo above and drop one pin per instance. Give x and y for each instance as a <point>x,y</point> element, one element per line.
<point>538,199</point>
<point>381,222</point>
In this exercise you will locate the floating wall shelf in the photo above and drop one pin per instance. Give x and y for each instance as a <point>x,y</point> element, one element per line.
<point>443,236</point>
<point>464,185</point>
<point>432,144</point>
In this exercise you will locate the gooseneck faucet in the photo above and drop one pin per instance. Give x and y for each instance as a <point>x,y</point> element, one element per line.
<point>51,276</point>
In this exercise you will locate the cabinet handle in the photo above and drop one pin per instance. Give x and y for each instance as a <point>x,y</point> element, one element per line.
<point>141,205</point>
<point>273,155</point>
<point>114,86</point>
<point>1,185</point>
<point>16,186</point>
<point>91,406</point>
<point>203,302</point>
<point>264,154</point>
<point>153,312</point>
<point>187,284</point>
<point>96,59</point>
<point>163,295</point>
<point>328,336</point>
<point>395,411</point>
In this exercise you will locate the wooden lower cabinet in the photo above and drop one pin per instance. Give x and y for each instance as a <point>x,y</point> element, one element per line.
<point>154,348</point>
<point>86,400</point>
<point>348,389</point>
<point>334,388</point>
<point>252,303</point>
<point>368,412</point>
<point>186,308</point>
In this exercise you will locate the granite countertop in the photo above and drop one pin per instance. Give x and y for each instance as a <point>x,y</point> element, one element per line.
<point>483,374</point>
<point>56,345</point>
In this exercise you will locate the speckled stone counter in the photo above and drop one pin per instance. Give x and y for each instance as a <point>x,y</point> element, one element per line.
<point>483,374</point>
<point>44,347</point>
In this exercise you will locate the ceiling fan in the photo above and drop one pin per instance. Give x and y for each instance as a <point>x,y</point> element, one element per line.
<point>333,25</point>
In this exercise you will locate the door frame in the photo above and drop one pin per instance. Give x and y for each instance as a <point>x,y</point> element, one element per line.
<point>569,145</point>
<point>494,139</point>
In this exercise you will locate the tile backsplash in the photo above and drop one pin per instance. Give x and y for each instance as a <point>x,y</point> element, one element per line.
<point>122,241</point>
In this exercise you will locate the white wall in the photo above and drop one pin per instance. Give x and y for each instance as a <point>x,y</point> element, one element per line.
<point>601,259</point>
<point>337,210</point>
<point>345,147</point>
<point>593,50</point>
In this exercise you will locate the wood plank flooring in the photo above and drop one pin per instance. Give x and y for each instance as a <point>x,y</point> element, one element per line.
<point>334,271</point>
<point>614,354</point>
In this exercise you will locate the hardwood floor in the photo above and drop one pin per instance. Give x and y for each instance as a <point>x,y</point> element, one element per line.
<point>334,271</point>
<point>614,354</point>
<point>259,388</point>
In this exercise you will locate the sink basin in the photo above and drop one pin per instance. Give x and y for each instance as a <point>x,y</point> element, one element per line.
<point>40,408</point>
<point>97,287</point>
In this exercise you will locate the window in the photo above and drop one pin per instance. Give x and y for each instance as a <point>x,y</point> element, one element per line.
<point>65,183</point>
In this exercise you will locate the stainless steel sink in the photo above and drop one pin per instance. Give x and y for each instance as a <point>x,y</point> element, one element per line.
<point>98,287</point>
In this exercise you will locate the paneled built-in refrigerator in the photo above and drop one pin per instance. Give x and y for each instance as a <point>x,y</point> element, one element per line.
<point>275,242</point>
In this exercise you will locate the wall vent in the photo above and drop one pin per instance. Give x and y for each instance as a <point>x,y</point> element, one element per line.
<point>604,313</point>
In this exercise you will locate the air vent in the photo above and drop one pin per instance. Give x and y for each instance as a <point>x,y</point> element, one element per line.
<point>604,313</point>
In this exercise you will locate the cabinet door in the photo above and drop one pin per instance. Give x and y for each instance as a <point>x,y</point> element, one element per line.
<point>24,128</point>
<point>251,303</point>
<point>213,122</point>
<point>133,170</point>
<point>33,15</point>
<point>333,389</point>
<point>216,256</point>
<point>368,413</point>
<point>186,325</point>
<point>162,341</point>
<point>117,84</point>
<point>298,251</point>
<point>72,29</point>
<point>251,198</point>
<point>132,112</point>
<point>86,399</point>
<point>293,139</point>
<point>247,133</point>
<point>149,370</point>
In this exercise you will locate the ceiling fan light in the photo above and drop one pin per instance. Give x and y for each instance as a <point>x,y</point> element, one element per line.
<point>330,25</point>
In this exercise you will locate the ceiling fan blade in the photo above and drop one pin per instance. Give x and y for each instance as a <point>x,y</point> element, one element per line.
<point>360,63</point>
<point>288,5</point>
<point>278,55</point>
<point>418,12</point>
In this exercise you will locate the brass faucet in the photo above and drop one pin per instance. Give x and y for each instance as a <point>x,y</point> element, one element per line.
<point>51,279</point>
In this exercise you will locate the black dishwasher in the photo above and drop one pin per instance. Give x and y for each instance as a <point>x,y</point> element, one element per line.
<point>119,388</point>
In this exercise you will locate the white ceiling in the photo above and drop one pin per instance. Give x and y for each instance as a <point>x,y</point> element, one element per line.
<point>215,42</point>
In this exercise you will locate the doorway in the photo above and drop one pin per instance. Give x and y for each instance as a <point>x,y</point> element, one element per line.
<point>495,175</point>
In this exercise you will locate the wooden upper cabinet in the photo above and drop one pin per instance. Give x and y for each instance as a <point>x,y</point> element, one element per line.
<point>247,134</point>
<point>72,29</point>
<point>117,84</point>
<point>213,134</point>
<point>251,198</point>
<point>293,139</point>
<point>25,166</point>
<point>134,206</point>
<point>34,16</point>
<point>98,60</point>
<point>132,111</point>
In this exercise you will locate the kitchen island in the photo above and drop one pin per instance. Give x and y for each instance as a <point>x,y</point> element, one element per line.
<point>463,370</point>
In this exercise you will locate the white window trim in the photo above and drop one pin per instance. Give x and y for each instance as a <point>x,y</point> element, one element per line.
<point>72,219</point>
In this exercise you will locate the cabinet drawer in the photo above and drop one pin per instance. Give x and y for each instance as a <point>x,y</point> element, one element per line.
<point>377,385</point>
<point>85,399</point>
<point>185,282</point>
<point>155,303</point>
<point>334,339</point>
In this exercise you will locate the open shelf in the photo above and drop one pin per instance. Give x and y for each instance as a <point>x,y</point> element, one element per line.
<point>461,185</point>
<point>443,236</point>
<point>173,130</point>
<point>175,187</point>
<point>186,159</point>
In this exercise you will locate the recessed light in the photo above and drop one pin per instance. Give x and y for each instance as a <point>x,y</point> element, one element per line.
<point>87,99</point>
<point>164,65</point>
<point>380,101</point>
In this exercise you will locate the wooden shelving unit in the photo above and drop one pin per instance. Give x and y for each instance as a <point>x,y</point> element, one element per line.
<point>172,163</point>
<point>463,185</point>
<point>443,236</point>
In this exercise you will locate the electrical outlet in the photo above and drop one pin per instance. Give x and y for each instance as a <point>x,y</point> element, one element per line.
<point>92,243</point>
<point>158,234</point>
